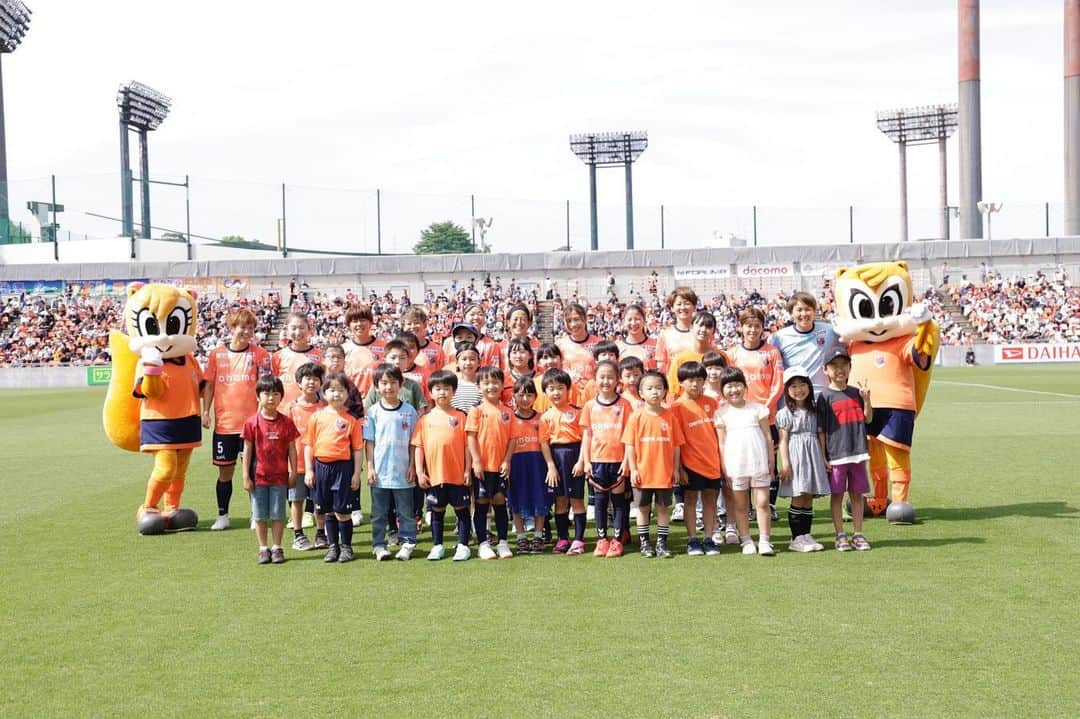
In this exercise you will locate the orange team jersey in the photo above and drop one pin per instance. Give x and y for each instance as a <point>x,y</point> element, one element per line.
<point>173,420</point>
<point>577,360</point>
<point>233,373</point>
<point>507,395</point>
<point>491,425</point>
<point>644,351</point>
<point>300,413</point>
<point>542,403</point>
<point>284,364</point>
<point>605,423</point>
<point>332,435</point>
<point>359,365</point>
<point>561,426</point>
<point>764,370</point>
<point>701,452</point>
<point>631,396</point>
<point>887,366</point>
<point>441,436</point>
<point>504,352</point>
<point>654,439</point>
<point>431,355</point>
<point>525,433</point>
<point>671,342</point>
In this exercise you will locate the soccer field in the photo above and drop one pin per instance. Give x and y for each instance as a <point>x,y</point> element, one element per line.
<point>970,612</point>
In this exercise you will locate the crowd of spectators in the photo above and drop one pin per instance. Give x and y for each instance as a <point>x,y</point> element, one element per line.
<point>74,330</point>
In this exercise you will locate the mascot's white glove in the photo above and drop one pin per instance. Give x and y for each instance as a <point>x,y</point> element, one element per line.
<point>920,313</point>
<point>152,363</point>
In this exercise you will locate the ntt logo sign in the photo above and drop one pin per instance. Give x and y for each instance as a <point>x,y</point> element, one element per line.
<point>777,270</point>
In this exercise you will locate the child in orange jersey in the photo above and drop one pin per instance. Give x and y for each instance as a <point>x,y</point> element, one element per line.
<point>333,456</point>
<point>299,351</point>
<point>488,430</point>
<point>560,441</point>
<point>431,354</point>
<point>653,440</point>
<point>413,369</point>
<point>700,457</point>
<point>231,372</point>
<point>673,340</point>
<point>528,496</point>
<point>309,377</point>
<point>444,465</point>
<point>360,360</point>
<point>726,533</point>
<point>604,456</point>
<point>549,357</point>
<point>702,333</point>
<point>519,357</point>
<point>630,371</point>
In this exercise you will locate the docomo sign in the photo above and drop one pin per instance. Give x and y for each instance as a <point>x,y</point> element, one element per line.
<point>1016,354</point>
<point>772,270</point>
<point>703,273</point>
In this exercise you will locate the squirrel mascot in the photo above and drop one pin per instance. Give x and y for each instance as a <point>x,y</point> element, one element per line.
<point>153,401</point>
<point>893,342</point>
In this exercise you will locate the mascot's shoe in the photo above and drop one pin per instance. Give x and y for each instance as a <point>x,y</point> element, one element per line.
<point>182,520</point>
<point>149,523</point>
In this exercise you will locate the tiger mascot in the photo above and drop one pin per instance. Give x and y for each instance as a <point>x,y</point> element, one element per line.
<point>153,401</point>
<point>893,342</point>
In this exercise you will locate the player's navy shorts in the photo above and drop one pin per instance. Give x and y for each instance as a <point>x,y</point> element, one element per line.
<point>456,495</point>
<point>493,483</point>
<point>333,487</point>
<point>565,457</point>
<point>606,475</point>
<point>699,482</point>
<point>227,448</point>
<point>892,426</point>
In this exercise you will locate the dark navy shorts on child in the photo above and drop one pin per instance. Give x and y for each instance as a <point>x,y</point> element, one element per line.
<point>565,457</point>
<point>333,487</point>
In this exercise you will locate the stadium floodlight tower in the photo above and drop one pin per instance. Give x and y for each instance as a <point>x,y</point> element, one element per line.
<point>921,126</point>
<point>142,109</point>
<point>14,22</point>
<point>610,149</point>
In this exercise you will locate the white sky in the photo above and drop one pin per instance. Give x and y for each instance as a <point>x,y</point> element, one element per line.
<point>769,103</point>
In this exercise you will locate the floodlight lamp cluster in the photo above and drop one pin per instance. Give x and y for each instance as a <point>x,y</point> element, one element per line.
<point>141,106</point>
<point>14,22</point>
<point>609,148</point>
<point>916,125</point>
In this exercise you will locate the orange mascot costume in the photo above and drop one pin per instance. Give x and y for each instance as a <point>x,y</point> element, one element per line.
<point>893,342</point>
<point>153,401</point>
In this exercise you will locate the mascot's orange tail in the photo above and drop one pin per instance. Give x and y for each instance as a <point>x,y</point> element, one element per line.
<point>120,415</point>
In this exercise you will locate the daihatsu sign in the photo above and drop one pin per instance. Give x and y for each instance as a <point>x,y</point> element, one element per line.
<point>1017,354</point>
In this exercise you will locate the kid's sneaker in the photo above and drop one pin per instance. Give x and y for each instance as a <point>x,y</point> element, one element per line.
<point>537,546</point>
<point>749,548</point>
<point>843,544</point>
<point>463,553</point>
<point>647,550</point>
<point>320,540</point>
<point>694,548</point>
<point>277,555</point>
<point>812,543</point>
<point>264,556</point>
<point>502,549</point>
<point>678,512</point>
<point>357,518</point>
<point>381,553</point>
<point>860,542</point>
<point>731,535</point>
<point>561,546</point>
<point>577,547</point>
<point>332,554</point>
<point>765,549</point>
<point>346,554</point>
<point>484,551</point>
<point>437,552</point>
<point>222,522</point>
<point>602,546</point>
<point>799,544</point>
<point>662,550</point>
<point>523,546</point>
<point>392,539</point>
<point>301,543</point>
<point>405,553</point>
<point>710,547</point>
<point>615,549</point>
<point>308,520</point>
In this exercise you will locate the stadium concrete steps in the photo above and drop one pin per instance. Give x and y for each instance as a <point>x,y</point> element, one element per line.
<point>545,321</point>
<point>957,314</point>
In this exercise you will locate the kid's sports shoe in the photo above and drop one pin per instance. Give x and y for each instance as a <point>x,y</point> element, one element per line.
<point>392,539</point>
<point>561,546</point>
<point>647,550</point>
<point>537,546</point>
<point>860,542</point>
<point>749,548</point>
<point>332,554</point>
<point>308,520</point>
<point>302,543</point>
<point>678,512</point>
<point>264,556</point>
<point>813,543</point>
<point>222,522</point>
<point>380,553</point>
<point>731,535</point>
<point>346,554</point>
<point>576,547</point>
<point>320,540</point>
<point>710,548</point>
<point>765,549</point>
<point>357,518</point>
<point>462,553</point>
<point>799,544</point>
<point>615,549</point>
<point>502,549</point>
<point>523,546</point>
<point>405,553</point>
<point>437,552</point>
<point>277,555</point>
<point>662,550</point>
<point>484,551</point>
<point>694,548</point>
<point>843,544</point>
<point>602,547</point>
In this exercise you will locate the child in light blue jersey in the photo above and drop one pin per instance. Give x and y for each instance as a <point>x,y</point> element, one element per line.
<point>387,433</point>
<point>808,341</point>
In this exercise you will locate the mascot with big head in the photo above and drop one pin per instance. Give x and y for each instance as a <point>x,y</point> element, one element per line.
<point>893,342</point>
<point>153,401</point>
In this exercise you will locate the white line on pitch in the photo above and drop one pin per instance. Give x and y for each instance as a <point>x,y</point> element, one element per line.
<point>1007,389</point>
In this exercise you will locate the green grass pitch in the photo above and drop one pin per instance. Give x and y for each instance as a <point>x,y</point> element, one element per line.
<point>971,612</point>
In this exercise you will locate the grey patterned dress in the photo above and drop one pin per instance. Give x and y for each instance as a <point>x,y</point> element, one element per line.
<point>807,464</point>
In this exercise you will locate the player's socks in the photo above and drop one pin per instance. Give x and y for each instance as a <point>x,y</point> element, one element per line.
<point>643,533</point>
<point>345,530</point>
<point>619,504</point>
<point>601,514</point>
<point>437,522</point>
<point>579,526</point>
<point>332,531</point>
<point>464,527</point>
<point>224,495</point>
<point>480,521</point>
<point>502,522</point>
<point>298,532</point>
<point>808,519</point>
<point>309,505</point>
<point>562,525</point>
<point>794,522</point>
<point>662,531</point>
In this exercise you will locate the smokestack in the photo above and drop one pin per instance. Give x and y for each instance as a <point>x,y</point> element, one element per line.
<point>970,122</point>
<point>1072,117</point>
